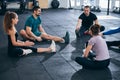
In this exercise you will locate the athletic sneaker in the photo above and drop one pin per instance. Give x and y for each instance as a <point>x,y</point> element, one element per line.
<point>67,37</point>
<point>53,46</point>
<point>27,51</point>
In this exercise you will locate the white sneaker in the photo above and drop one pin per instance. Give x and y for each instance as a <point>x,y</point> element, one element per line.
<point>27,51</point>
<point>53,46</point>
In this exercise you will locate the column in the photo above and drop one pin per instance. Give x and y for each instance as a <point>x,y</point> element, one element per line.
<point>112,4</point>
<point>97,2</point>
<point>81,3</point>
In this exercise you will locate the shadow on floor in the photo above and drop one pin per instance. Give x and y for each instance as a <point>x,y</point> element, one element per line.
<point>62,46</point>
<point>79,45</point>
<point>46,56</point>
<point>6,62</point>
<point>84,74</point>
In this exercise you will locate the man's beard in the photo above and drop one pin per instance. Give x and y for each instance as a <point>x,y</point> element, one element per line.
<point>87,14</point>
<point>37,14</point>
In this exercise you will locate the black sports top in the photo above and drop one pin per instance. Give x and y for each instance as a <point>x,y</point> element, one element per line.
<point>87,21</point>
<point>10,45</point>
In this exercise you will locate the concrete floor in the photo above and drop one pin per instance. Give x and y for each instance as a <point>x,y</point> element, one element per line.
<point>59,65</point>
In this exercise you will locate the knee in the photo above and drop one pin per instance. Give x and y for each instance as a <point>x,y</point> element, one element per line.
<point>22,32</point>
<point>102,28</point>
<point>46,36</point>
<point>80,60</point>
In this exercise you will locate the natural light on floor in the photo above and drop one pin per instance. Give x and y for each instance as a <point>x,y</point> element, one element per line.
<point>107,17</point>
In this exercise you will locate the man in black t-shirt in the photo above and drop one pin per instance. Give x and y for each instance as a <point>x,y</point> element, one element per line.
<point>85,20</point>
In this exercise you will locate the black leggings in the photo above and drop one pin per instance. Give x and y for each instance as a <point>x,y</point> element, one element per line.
<point>113,43</point>
<point>92,64</point>
<point>17,51</point>
<point>83,29</point>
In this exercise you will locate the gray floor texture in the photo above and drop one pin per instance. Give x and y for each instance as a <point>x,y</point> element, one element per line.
<point>59,65</point>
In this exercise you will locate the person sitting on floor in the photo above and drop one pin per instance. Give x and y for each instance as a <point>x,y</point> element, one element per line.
<point>109,32</point>
<point>85,20</point>
<point>98,46</point>
<point>15,46</point>
<point>34,31</point>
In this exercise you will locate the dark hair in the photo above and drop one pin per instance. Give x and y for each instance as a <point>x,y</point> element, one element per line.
<point>86,6</point>
<point>35,8</point>
<point>7,22</point>
<point>95,29</point>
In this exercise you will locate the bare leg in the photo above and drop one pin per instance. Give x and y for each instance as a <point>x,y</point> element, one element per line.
<point>52,48</point>
<point>50,37</point>
<point>40,50</point>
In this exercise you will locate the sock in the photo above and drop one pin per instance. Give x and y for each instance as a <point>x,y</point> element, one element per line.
<point>27,51</point>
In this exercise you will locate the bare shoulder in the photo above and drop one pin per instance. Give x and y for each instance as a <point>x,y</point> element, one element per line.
<point>11,32</point>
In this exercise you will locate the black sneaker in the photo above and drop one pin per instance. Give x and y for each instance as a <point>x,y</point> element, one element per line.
<point>67,37</point>
<point>77,33</point>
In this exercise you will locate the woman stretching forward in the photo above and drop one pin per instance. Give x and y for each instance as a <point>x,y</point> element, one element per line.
<point>16,47</point>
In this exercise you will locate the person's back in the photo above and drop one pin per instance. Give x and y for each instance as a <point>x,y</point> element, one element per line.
<point>96,45</point>
<point>99,48</point>
<point>10,45</point>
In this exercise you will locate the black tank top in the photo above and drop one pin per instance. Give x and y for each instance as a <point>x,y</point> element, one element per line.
<point>10,45</point>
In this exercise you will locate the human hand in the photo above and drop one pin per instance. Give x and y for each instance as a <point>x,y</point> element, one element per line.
<point>100,34</point>
<point>77,28</point>
<point>39,39</point>
<point>87,32</point>
<point>29,43</point>
<point>19,41</point>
